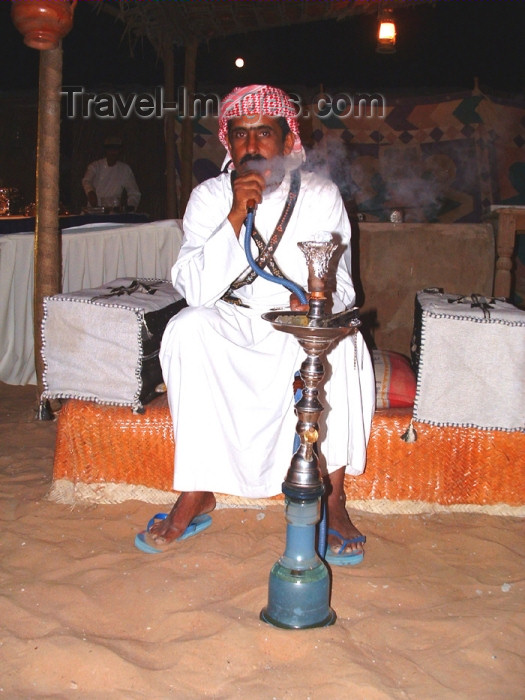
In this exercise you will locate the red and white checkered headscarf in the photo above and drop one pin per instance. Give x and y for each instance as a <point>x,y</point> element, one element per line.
<point>259,99</point>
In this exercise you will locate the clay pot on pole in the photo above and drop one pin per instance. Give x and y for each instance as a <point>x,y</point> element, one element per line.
<point>43,23</point>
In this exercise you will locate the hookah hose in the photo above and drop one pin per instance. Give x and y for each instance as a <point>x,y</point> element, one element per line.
<point>299,292</point>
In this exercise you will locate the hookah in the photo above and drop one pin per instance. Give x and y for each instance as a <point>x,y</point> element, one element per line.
<point>299,582</point>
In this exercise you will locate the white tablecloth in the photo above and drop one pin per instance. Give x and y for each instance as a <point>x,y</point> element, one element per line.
<point>91,256</point>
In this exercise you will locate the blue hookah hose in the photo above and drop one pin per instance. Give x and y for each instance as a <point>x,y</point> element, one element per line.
<point>299,292</point>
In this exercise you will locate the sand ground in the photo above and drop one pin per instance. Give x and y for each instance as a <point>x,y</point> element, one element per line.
<point>436,610</point>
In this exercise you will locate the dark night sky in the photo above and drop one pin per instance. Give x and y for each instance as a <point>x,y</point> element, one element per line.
<point>441,47</point>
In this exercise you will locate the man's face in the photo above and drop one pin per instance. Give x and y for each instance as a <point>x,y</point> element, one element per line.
<point>257,137</point>
<point>112,154</point>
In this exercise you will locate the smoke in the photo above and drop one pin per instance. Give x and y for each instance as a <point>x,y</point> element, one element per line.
<point>378,179</point>
<point>330,159</point>
<point>272,170</point>
<point>413,181</point>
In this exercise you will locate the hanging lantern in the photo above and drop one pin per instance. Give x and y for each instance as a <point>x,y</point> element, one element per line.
<point>386,35</point>
<point>43,23</point>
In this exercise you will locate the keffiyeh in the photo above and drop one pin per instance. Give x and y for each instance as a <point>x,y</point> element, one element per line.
<point>259,99</point>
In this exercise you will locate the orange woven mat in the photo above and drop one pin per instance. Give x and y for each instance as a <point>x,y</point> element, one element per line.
<point>99,444</point>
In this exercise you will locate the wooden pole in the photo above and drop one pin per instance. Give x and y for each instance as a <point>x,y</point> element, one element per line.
<point>172,205</point>
<point>47,262</point>
<point>190,59</point>
<point>510,220</point>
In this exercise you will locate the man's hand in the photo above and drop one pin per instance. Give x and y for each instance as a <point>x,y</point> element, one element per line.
<point>92,198</point>
<point>246,186</point>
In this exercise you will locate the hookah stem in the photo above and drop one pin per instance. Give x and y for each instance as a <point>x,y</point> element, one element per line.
<point>302,298</point>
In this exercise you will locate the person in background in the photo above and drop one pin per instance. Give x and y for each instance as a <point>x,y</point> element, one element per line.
<point>109,181</point>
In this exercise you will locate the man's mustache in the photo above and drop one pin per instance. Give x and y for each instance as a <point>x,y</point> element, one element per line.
<point>272,171</point>
<point>251,157</point>
<point>253,161</point>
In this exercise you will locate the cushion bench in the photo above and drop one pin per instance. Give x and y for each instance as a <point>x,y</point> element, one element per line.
<point>109,454</point>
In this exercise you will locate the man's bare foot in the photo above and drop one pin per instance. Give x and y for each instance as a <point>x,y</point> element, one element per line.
<point>188,505</point>
<point>338,518</point>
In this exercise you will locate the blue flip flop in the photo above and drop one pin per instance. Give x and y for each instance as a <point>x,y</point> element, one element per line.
<point>340,558</point>
<point>145,542</point>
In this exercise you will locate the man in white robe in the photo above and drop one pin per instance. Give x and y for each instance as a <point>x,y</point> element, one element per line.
<point>106,179</point>
<point>228,372</point>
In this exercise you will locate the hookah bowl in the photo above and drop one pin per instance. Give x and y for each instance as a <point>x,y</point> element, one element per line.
<point>299,582</point>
